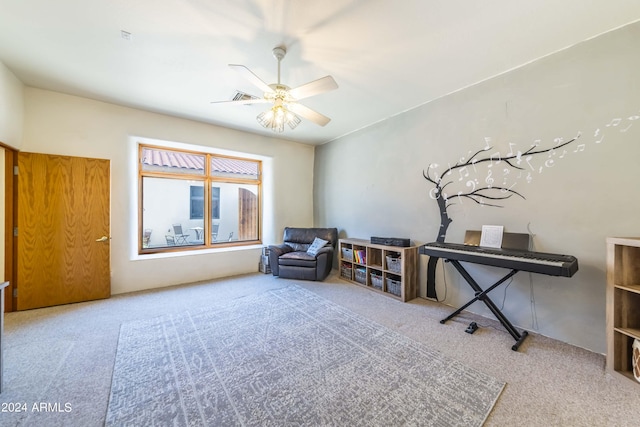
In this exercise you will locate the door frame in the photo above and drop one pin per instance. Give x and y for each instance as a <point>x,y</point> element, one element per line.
<point>9,193</point>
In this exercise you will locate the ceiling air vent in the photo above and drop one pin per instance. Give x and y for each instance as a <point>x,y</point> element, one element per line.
<point>241,96</point>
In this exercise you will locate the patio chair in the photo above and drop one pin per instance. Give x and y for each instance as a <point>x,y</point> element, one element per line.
<point>181,238</point>
<point>214,232</point>
<point>146,237</point>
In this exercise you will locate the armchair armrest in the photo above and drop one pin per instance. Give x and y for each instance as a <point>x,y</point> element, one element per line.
<point>279,249</point>
<point>325,250</point>
<point>324,259</point>
<point>274,253</point>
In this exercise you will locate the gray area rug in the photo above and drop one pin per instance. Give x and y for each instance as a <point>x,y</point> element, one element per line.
<point>287,357</point>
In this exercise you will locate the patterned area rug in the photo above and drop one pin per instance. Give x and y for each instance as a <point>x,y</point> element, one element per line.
<point>287,357</point>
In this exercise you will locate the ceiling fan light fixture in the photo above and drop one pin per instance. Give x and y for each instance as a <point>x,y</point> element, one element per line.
<point>276,117</point>
<point>292,120</point>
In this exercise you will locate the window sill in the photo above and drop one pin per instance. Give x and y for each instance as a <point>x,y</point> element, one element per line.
<point>194,252</point>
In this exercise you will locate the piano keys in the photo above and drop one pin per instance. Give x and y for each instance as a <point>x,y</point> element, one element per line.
<point>535,262</point>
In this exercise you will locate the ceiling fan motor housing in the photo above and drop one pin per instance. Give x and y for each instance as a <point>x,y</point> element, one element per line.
<point>279,52</point>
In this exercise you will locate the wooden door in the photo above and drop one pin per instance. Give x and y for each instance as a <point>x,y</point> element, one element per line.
<point>63,230</point>
<point>248,215</point>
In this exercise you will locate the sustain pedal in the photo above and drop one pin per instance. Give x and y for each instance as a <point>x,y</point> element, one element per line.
<point>473,326</point>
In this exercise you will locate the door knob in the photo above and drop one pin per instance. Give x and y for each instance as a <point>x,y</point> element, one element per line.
<point>102,239</point>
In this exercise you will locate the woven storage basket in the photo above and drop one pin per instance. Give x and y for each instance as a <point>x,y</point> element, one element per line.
<point>394,264</point>
<point>345,271</point>
<point>393,286</point>
<point>376,281</point>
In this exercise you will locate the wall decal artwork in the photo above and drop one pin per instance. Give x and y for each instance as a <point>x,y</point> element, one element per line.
<point>489,178</point>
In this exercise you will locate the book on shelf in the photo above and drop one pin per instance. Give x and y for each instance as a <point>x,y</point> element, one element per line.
<point>360,256</point>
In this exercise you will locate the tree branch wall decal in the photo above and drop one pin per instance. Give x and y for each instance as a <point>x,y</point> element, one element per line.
<point>510,168</point>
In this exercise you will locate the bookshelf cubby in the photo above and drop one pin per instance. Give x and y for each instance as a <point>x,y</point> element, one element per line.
<point>390,270</point>
<point>623,303</point>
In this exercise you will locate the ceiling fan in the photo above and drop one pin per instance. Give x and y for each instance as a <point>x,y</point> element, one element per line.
<point>285,106</point>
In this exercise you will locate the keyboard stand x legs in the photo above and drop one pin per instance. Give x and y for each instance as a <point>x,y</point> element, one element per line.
<point>481,295</point>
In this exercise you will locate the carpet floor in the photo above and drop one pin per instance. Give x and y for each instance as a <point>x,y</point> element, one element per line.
<point>287,357</point>
<point>59,361</point>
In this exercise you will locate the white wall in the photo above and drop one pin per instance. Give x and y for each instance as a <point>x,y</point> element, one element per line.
<point>11,108</point>
<point>371,183</point>
<point>61,124</point>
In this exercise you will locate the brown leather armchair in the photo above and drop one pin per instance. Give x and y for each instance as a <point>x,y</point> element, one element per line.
<point>291,260</point>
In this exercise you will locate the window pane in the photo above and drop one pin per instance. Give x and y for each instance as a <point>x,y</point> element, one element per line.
<point>197,202</point>
<point>239,213</point>
<point>236,168</point>
<point>215,202</point>
<point>157,160</point>
<point>166,213</point>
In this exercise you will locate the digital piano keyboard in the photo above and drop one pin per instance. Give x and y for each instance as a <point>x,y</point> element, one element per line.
<point>535,262</point>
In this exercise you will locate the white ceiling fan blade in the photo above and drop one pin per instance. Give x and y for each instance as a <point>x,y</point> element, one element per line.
<point>308,113</point>
<point>255,80</point>
<point>315,87</point>
<point>244,101</point>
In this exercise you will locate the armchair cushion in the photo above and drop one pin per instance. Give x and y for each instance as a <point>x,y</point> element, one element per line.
<point>298,258</point>
<point>315,247</point>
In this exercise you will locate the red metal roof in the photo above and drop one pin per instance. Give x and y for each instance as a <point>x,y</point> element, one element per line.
<point>178,159</point>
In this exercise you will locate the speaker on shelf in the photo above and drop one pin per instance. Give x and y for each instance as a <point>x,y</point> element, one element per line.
<point>391,241</point>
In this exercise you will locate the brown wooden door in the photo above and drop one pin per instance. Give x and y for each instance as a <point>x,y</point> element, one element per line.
<point>63,214</point>
<point>248,215</point>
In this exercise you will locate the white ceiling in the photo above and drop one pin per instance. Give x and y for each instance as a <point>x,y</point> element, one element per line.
<point>386,56</point>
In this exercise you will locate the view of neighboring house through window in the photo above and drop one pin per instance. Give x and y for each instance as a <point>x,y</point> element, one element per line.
<point>197,202</point>
<point>191,199</point>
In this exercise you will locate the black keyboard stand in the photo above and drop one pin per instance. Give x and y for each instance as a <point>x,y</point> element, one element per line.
<point>481,295</point>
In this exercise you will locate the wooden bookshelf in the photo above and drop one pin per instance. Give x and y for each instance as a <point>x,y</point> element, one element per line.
<point>623,303</point>
<point>390,270</point>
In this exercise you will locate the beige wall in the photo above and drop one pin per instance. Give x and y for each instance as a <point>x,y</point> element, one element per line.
<point>11,122</point>
<point>69,125</point>
<point>370,183</point>
<point>11,108</point>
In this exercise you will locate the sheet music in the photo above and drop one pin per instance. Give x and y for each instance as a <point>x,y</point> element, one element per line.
<point>491,236</point>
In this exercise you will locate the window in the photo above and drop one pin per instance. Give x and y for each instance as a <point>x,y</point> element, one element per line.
<point>195,200</point>
<point>215,202</point>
